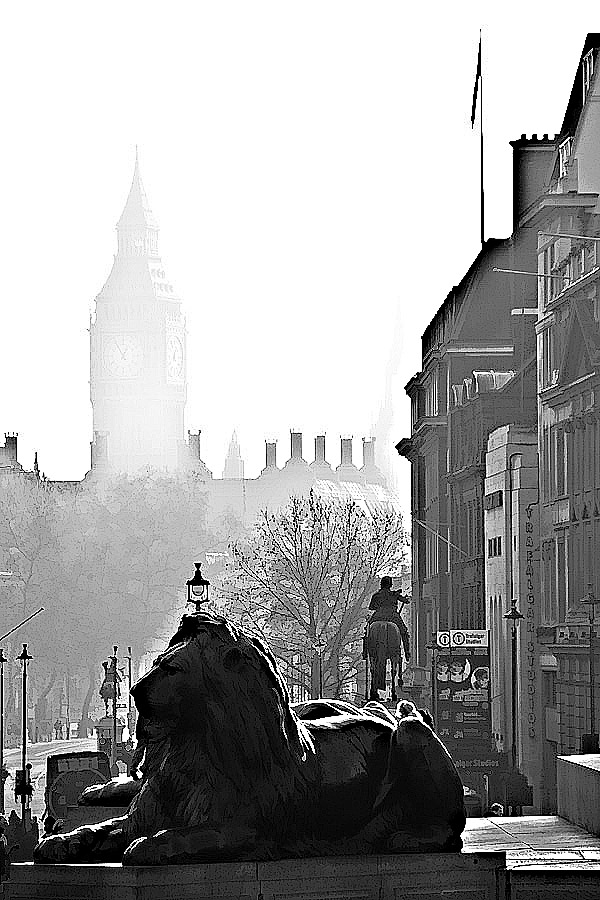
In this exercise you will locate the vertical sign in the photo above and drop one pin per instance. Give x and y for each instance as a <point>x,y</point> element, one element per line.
<point>462,683</point>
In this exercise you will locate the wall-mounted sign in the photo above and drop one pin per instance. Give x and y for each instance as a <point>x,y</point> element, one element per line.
<point>463,638</point>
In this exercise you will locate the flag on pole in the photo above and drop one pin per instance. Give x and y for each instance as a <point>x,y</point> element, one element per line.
<point>476,85</point>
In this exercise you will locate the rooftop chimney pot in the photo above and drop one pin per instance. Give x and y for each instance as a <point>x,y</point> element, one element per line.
<point>271,454</point>
<point>346,451</point>
<point>295,444</point>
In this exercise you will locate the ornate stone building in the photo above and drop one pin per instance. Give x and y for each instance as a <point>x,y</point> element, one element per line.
<point>566,217</point>
<point>472,332</point>
<point>541,535</point>
<point>137,352</point>
<point>480,404</point>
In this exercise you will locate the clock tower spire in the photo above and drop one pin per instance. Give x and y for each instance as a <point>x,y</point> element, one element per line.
<point>137,351</point>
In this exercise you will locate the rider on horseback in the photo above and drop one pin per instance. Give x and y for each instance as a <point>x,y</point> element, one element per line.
<point>385,606</point>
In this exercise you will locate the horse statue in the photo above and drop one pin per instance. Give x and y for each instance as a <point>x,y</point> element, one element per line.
<point>385,637</point>
<point>383,643</point>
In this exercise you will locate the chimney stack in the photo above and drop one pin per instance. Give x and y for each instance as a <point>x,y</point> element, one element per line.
<point>320,449</point>
<point>369,469</point>
<point>192,461</point>
<point>99,448</point>
<point>270,454</point>
<point>296,445</point>
<point>194,443</point>
<point>10,446</point>
<point>320,466</point>
<point>347,471</point>
<point>346,452</point>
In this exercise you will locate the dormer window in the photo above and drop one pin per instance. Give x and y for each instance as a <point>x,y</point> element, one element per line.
<point>564,152</point>
<point>588,71</point>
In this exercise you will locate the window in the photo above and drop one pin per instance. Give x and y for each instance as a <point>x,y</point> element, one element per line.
<point>495,546</point>
<point>431,555</point>
<point>562,576</point>
<point>564,152</point>
<point>472,531</point>
<point>493,500</point>
<point>559,461</point>
<point>547,376</point>
<point>545,478</point>
<point>548,585</point>
<point>549,689</point>
<point>431,397</point>
<point>588,71</point>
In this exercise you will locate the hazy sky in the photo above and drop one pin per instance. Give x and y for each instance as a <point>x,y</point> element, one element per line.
<point>315,177</point>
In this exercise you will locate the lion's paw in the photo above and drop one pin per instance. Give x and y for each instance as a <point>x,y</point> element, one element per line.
<point>57,848</point>
<point>143,852</point>
<point>424,840</point>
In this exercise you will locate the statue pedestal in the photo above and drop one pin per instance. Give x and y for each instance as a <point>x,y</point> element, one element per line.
<point>418,876</point>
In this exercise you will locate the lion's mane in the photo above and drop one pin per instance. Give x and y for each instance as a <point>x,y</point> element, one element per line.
<point>221,743</point>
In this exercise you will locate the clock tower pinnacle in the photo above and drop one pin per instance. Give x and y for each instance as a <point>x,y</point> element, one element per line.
<point>137,352</point>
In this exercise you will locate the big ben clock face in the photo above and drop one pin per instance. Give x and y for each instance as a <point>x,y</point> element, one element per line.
<point>122,356</point>
<point>174,357</point>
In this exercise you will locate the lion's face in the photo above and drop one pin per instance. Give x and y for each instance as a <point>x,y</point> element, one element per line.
<point>202,665</point>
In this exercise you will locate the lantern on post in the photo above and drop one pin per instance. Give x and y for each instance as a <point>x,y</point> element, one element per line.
<point>197,588</point>
<point>589,742</point>
<point>514,617</point>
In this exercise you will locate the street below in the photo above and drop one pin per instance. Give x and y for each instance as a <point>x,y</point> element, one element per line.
<point>37,754</point>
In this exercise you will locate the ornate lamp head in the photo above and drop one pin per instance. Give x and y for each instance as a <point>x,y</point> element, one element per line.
<point>197,588</point>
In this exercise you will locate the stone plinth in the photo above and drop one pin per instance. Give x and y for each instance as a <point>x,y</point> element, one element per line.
<point>578,790</point>
<point>424,876</point>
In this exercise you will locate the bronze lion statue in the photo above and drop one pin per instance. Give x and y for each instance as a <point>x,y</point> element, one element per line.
<point>231,772</point>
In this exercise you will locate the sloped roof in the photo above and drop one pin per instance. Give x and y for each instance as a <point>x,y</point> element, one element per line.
<point>369,496</point>
<point>137,278</point>
<point>583,335</point>
<point>136,212</point>
<point>575,104</point>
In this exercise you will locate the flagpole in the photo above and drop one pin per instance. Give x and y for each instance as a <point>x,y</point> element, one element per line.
<point>481,140</point>
<point>478,95</point>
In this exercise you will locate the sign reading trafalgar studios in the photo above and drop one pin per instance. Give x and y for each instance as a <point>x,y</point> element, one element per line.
<point>462,688</point>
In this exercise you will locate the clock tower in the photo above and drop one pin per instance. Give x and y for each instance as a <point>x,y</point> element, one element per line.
<point>137,352</point>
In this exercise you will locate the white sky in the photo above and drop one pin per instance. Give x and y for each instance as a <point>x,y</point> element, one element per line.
<point>313,172</point>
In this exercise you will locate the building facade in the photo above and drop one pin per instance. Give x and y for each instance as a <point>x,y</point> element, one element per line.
<point>511,533</point>
<point>478,406</point>
<point>567,218</point>
<point>472,332</point>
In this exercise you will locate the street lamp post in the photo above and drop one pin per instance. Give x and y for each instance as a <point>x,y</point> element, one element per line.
<point>129,706</point>
<point>68,727</point>
<point>320,648</point>
<point>432,645</point>
<point>514,616</point>
<point>589,742</point>
<point>113,754</point>
<point>3,659</point>
<point>24,657</point>
<point>197,588</point>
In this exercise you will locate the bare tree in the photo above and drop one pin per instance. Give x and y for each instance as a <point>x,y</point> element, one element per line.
<point>303,579</point>
<point>27,539</point>
<point>108,562</point>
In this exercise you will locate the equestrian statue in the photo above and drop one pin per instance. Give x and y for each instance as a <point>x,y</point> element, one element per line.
<point>385,638</point>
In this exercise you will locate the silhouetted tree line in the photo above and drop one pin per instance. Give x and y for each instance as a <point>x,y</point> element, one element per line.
<point>108,563</point>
